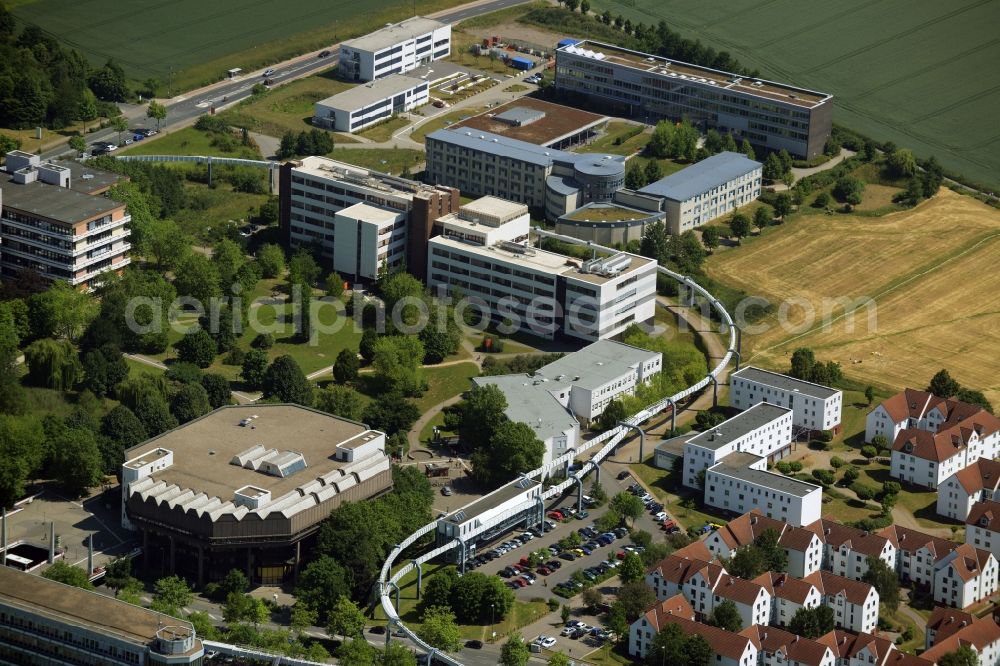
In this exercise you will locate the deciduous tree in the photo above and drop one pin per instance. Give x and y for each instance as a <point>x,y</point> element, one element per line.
<point>285,381</point>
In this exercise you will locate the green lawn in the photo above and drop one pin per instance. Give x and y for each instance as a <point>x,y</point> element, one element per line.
<point>615,131</point>
<point>187,141</point>
<point>384,131</point>
<point>209,210</point>
<point>288,108</point>
<point>139,368</point>
<point>446,382</point>
<point>387,160</point>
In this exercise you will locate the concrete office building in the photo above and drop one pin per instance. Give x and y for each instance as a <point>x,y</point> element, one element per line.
<point>742,483</point>
<point>43,622</point>
<point>706,190</point>
<point>244,486</point>
<point>538,122</point>
<point>369,238</point>
<point>534,403</point>
<point>61,230</point>
<point>484,163</point>
<point>517,504</point>
<point>771,115</point>
<point>315,189</point>
<point>544,293</point>
<point>371,103</point>
<point>395,49</point>
<point>486,221</point>
<point>814,407</point>
<point>764,431</point>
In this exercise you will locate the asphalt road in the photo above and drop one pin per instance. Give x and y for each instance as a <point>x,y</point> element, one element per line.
<point>183,109</point>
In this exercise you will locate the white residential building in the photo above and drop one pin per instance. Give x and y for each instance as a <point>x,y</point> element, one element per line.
<point>933,438</point>
<point>672,575</point>
<point>706,190</point>
<point>803,547</point>
<point>965,576</point>
<point>544,293</point>
<point>982,635</point>
<point>982,527</point>
<point>370,103</point>
<point>864,649</point>
<point>917,553</point>
<point>978,482</point>
<point>369,239</point>
<point>729,649</point>
<point>395,49</point>
<point>814,407</point>
<point>742,483</point>
<point>643,631</point>
<point>789,595</point>
<point>854,603</point>
<point>846,549</point>
<point>944,622</point>
<point>781,648</point>
<point>764,430</point>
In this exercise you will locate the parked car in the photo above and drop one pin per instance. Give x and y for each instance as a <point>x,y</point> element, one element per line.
<point>661,515</point>
<point>623,475</point>
<point>446,491</point>
<point>547,641</point>
<point>555,515</point>
<point>554,564</point>
<point>570,555</point>
<point>583,515</point>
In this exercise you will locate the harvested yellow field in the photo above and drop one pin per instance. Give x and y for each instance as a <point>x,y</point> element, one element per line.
<point>929,277</point>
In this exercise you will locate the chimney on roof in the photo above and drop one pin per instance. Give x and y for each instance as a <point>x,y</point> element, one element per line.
<point>826,531</point>
<point>753,520</point>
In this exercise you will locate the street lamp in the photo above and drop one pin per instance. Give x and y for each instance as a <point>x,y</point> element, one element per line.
<point>493,634</point>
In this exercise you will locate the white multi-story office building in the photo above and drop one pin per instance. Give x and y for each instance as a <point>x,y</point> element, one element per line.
<point>764,430</point>
<point>706,190</point>
<point>772,115</point>
<point>370,240</point>
<point>60,229</point>
<point>395,49</point>
<point>742,483</point>
<point>314,189</point>
<point>365,105</point>
<point>545,293</point>
<point>814,407</point>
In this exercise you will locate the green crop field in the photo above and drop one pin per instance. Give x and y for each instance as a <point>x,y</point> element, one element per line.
<point>916,72</point>
<point>194,42</point>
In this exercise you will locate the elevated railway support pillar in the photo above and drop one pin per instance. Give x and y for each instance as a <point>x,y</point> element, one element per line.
<point>420,576</point>
<point>642,437</point>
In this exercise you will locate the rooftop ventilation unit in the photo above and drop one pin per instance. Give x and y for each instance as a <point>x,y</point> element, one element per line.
<point>608,267</point>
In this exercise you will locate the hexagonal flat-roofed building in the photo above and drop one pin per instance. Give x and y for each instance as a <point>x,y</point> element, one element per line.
<point>244,486</point>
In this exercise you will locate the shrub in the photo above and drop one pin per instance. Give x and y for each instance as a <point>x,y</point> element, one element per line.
<point>869,451</point>
<point>783,467</point>
<point>234,357</point>
<point>836,462</point>
<point>822,200</point>
<point>796,466</point>
<point>263,341</point>
<point>826,436</point>
<point>863,491</point>
<point>824,476</point>
<point>851,474</point>
<point>891,488</point>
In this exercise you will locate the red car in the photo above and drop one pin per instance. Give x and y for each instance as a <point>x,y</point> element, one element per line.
<point>555,515</point>
<point>544,571</point>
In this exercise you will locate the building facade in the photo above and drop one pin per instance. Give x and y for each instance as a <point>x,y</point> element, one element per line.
<point>395,49</point>
<point>43,622</point>
<point>814,407</point>
<point>742,483</point>
<point>706,190</point>
<point>62,230</point>
<point>854,604</point>
<point>314,189</point>
<point>371,103</point>
<point>982,527</point>
<point>960,491</point>
<point>370,240</point>
<point>543,293</point>
<point>765,430</point>
<point>966,576</point>
<point>846,549</point>
<point>642,632</point>
<point>771,115</point>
